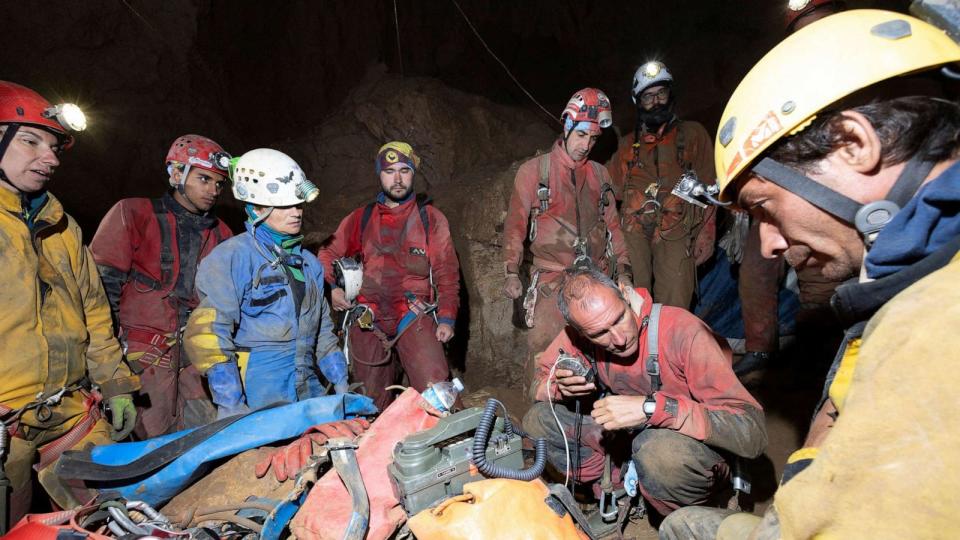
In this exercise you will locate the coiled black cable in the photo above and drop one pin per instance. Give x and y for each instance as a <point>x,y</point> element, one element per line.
<point>482,437</point>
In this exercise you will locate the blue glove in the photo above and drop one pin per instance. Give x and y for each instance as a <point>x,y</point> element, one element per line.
<point>225,385</point>
<point>334,368</point>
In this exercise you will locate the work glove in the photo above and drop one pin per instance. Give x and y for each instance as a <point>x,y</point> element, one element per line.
<point>512,287</point>
<point>734,240</point>
<point>123,416</point>
<point>334,368</point>
<point>225,385</point>
<point>288,460</point>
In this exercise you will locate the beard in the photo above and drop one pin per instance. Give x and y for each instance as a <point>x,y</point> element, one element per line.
<point>839,268</point>
<point>655,117</point>
<point>395,195</point>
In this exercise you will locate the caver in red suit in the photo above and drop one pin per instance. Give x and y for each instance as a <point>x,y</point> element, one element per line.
<point>700,414</point>
<point>562,204</point>
<point>409,264</point>
<point>147,252</point>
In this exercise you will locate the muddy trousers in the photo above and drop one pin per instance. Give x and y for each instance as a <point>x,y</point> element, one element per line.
<point>674,470</point>
<point>171,398</point>
<point>417,352</point>
<point>666,268</point>
<point>23,454</point>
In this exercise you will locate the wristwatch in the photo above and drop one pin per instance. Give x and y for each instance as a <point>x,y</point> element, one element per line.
<point>650,405</point>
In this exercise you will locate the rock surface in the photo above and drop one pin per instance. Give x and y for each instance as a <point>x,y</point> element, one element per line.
<point>470,149</point>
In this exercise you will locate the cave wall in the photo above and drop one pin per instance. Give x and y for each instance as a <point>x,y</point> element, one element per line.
<point>327,83</point>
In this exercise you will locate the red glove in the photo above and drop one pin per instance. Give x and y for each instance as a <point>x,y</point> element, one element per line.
<point>288,460</point>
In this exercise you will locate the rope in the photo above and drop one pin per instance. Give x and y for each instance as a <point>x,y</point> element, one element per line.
<point>396,25</point>
<point>504,66</point>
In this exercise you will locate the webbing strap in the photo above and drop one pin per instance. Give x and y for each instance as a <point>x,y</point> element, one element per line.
<point>681,146</point>
<point>166,243</point>
<point>422,202</point>
<point>909,181</point>
<point>545,170</point>
<point>817,194</point>
<point>653,348</point>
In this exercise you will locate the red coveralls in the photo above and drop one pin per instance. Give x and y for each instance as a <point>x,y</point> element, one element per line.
<point>127,250</point>
<point>701,407</point>
<point>396,259</point>
<point>574,192</point>
<point>662,241</point>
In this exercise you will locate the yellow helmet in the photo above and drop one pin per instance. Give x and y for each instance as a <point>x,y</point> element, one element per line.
<point>815,67</point>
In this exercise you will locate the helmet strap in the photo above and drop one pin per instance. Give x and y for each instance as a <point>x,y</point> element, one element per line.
<point>182,190</point>
<point>256,219</point>
<point>5,141</point>
<point>869,219</point>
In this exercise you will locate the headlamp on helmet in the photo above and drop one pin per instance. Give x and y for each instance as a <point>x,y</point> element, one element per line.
<point>651,73</point>
<point>68,115</point>
<point>651,69</point>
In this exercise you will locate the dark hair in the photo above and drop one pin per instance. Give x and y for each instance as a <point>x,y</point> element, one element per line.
<point>921,126</point>
<point>577,284</point>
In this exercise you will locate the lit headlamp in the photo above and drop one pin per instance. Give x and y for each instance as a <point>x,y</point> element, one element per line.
<point>797,5</point>
<point>68,115</point>
<point>652,69</point>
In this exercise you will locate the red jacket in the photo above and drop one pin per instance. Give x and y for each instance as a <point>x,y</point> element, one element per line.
<point>699,397</point>
<point>397,258</point>
<point>129,242</point>
<point>571,183</point>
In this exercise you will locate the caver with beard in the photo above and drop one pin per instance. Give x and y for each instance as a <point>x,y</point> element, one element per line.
<point>148,251</point>
<point>666,237</point>
<point>409,263</point>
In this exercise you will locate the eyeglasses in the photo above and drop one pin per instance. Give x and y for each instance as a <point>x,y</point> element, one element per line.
<point>647,98</point>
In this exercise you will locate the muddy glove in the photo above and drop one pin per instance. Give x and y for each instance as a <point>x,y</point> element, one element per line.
<point>334,368</point>
<point>226,389</point>
<point>123,416</point>
<point>734,240</point>
<point>288,460</point>
<point>512,287</point>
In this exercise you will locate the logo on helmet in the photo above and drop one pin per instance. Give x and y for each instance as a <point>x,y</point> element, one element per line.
<point>768,127</point>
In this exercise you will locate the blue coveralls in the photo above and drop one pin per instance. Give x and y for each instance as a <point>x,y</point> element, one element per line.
<point>247,305</point>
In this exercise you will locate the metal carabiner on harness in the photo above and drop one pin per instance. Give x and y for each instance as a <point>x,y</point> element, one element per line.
<point>43,404</point>
<point>543,195</point>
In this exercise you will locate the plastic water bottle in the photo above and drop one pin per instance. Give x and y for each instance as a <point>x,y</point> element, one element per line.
<point>442,395</point>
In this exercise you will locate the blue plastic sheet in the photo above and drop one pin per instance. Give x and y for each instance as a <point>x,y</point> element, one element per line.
<point>257,429</point>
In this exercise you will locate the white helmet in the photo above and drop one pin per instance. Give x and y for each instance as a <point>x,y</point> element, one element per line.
<point>649,74</point>
<point>267,177</point>
<point>349,276</point>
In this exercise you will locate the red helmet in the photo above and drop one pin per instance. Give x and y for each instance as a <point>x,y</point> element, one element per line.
<point>198,151</point>
<point>589,106</point>
<point>801,8</point>
<point>21,105</point>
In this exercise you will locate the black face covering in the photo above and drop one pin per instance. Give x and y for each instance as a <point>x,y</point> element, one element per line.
<point>655,117</point>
